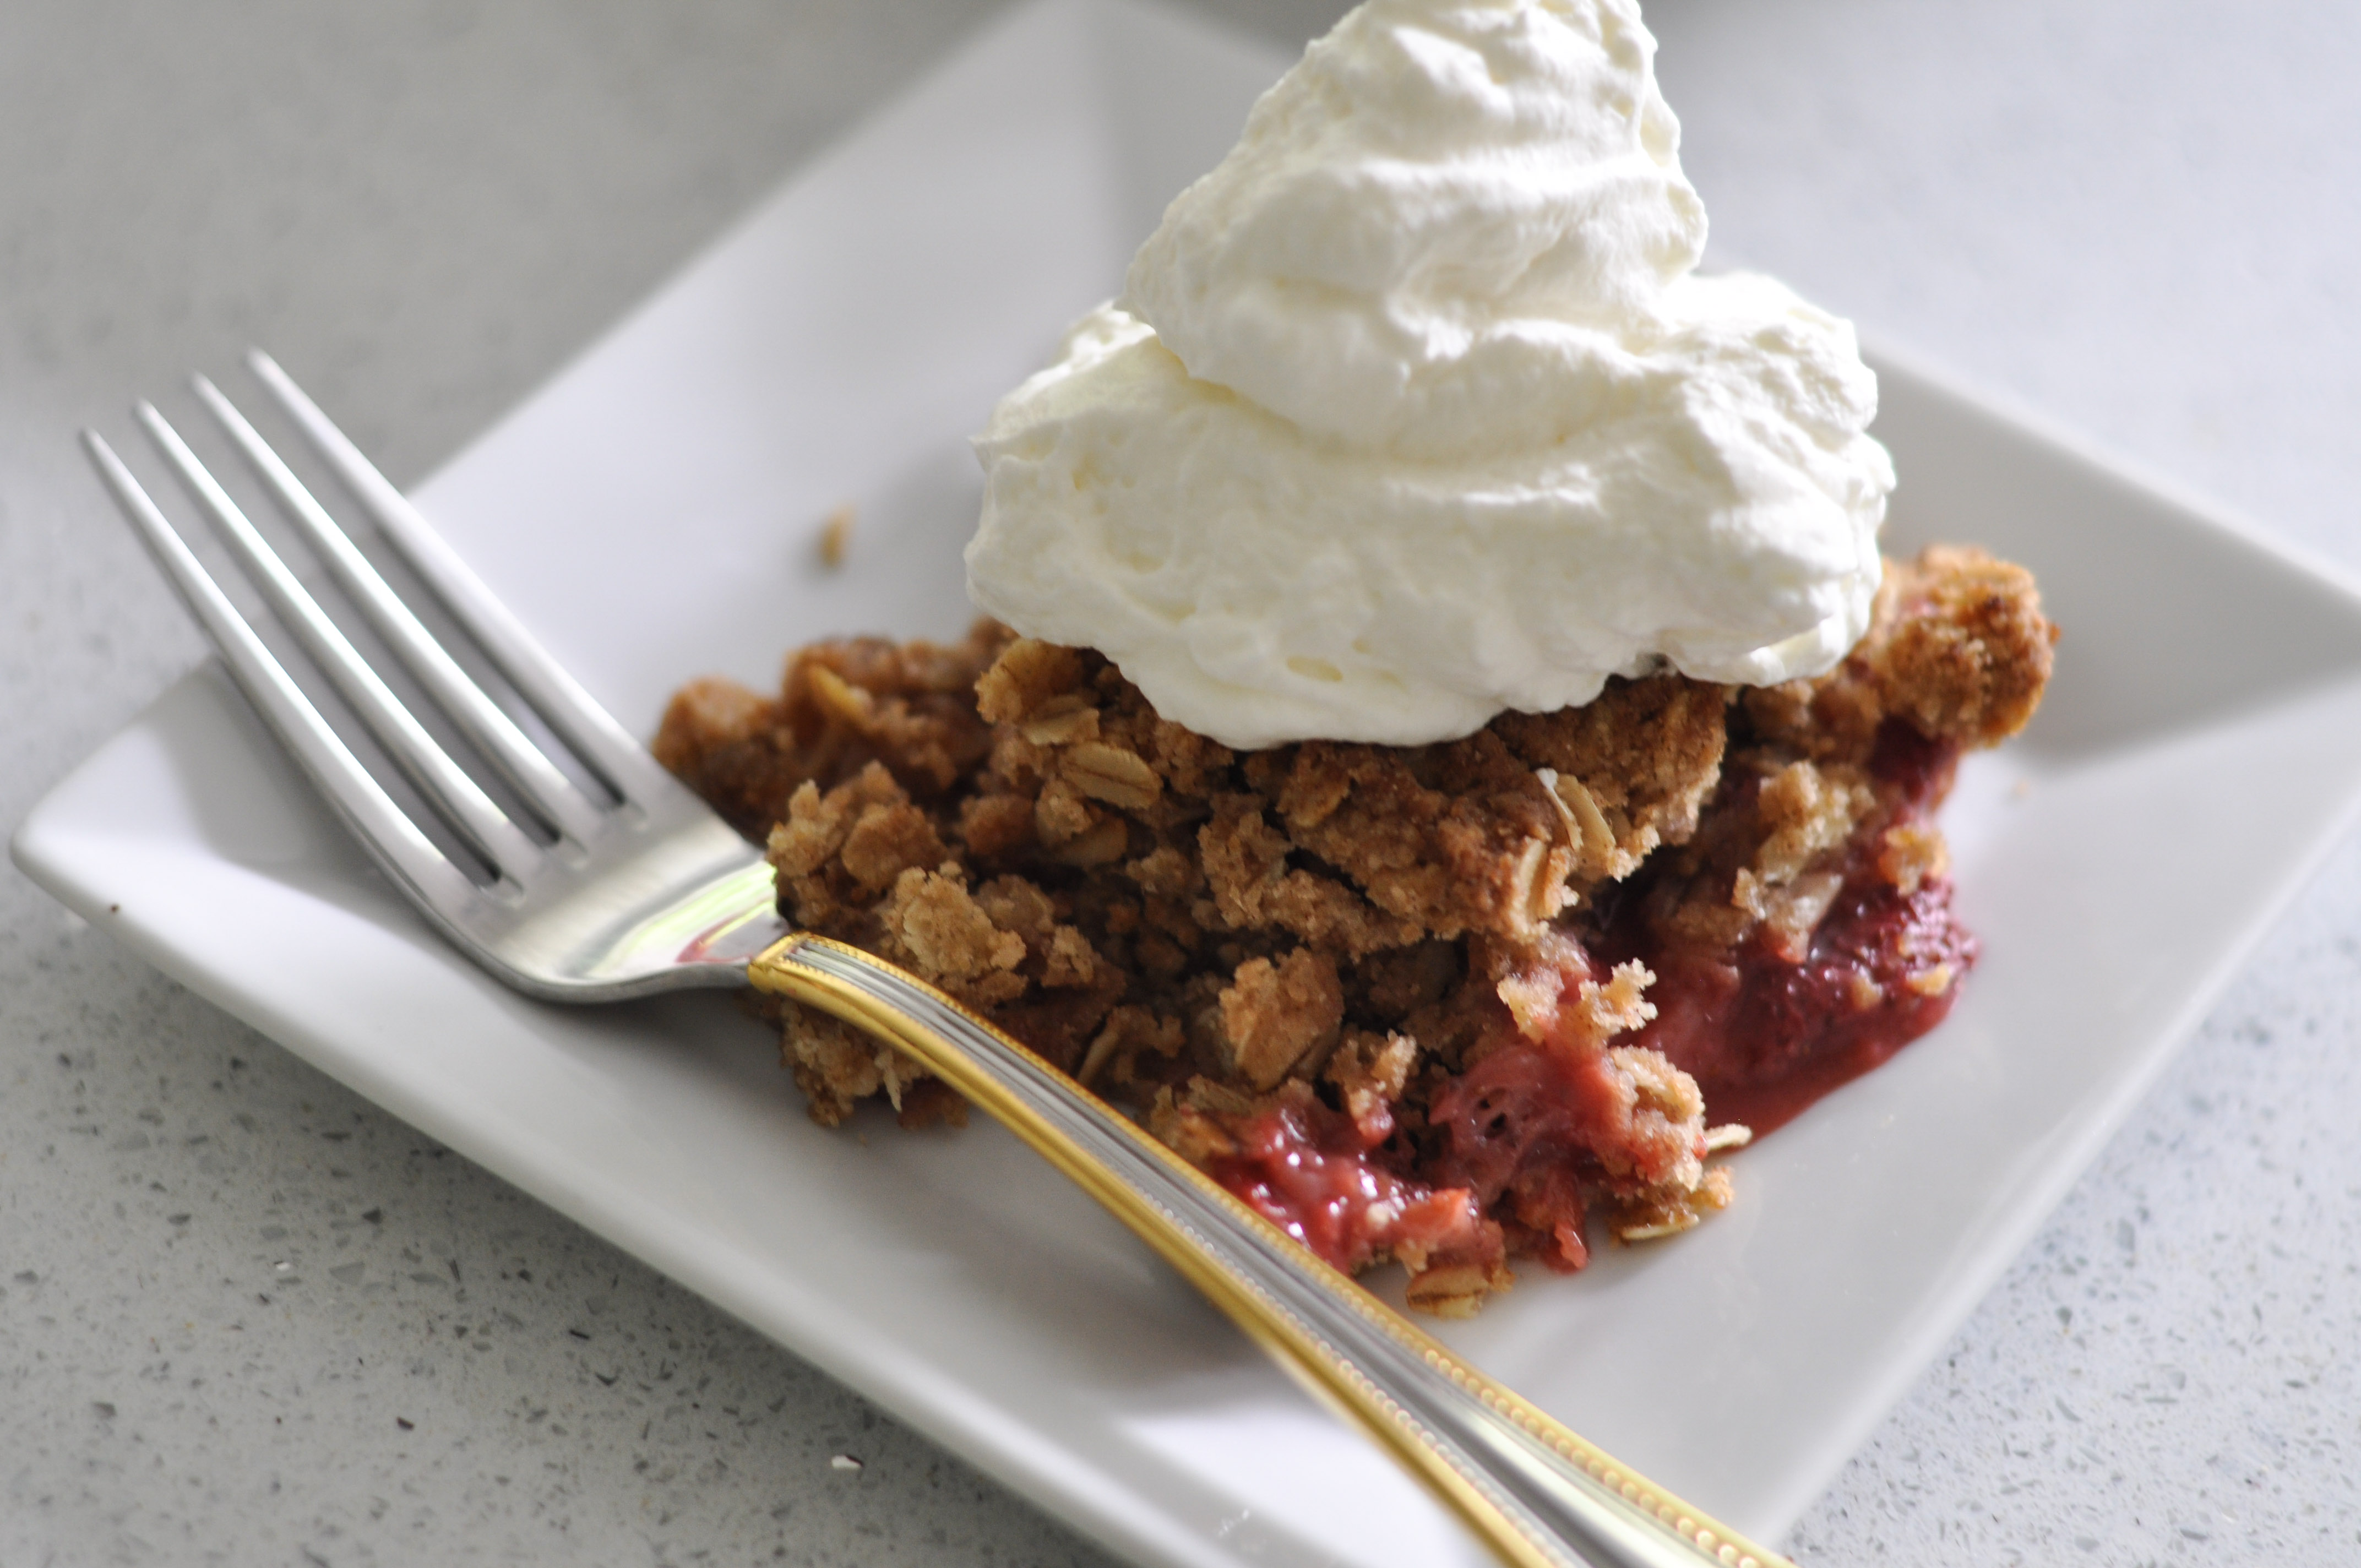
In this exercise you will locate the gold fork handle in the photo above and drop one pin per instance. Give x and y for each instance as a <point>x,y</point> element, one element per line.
<point>1539,1496</point>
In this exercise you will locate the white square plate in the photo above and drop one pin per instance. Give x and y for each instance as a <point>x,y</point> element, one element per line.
<point>651,511</point>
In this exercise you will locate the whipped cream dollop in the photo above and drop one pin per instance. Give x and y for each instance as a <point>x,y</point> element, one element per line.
<point>1415,410</point>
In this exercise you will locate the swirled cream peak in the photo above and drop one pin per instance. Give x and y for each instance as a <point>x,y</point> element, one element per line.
<point>1413,409</point>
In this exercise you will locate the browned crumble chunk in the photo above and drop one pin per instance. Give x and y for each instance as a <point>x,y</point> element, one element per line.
<point>1351,940</point>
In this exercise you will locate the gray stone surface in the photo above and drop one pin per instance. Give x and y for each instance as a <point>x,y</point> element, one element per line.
<point>2136,218</point>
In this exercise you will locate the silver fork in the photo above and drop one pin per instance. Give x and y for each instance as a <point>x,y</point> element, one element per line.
<point>630,884</point>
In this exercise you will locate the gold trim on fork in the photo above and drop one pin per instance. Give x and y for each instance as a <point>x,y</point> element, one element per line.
<point>632,886</point>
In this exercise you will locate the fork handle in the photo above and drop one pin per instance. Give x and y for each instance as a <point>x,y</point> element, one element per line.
<point>1536,1494</point>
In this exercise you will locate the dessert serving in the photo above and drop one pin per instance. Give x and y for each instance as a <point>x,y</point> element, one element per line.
<point>1448,755</point>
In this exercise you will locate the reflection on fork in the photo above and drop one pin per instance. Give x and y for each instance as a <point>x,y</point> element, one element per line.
<point>552,850</point>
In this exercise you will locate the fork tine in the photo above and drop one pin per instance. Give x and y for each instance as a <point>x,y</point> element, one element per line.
<point>546,790</point>
<point>604,744</point>
<point>477,819</point>
<point>382,826</point>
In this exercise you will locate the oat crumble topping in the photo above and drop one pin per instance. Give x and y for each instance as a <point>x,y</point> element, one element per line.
<point>1442,1004</point>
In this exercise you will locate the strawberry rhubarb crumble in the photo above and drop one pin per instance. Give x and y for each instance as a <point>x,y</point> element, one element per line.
<point>1441,1004</point>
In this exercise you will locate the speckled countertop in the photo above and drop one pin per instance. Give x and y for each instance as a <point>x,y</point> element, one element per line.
<point>2139,219</point>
